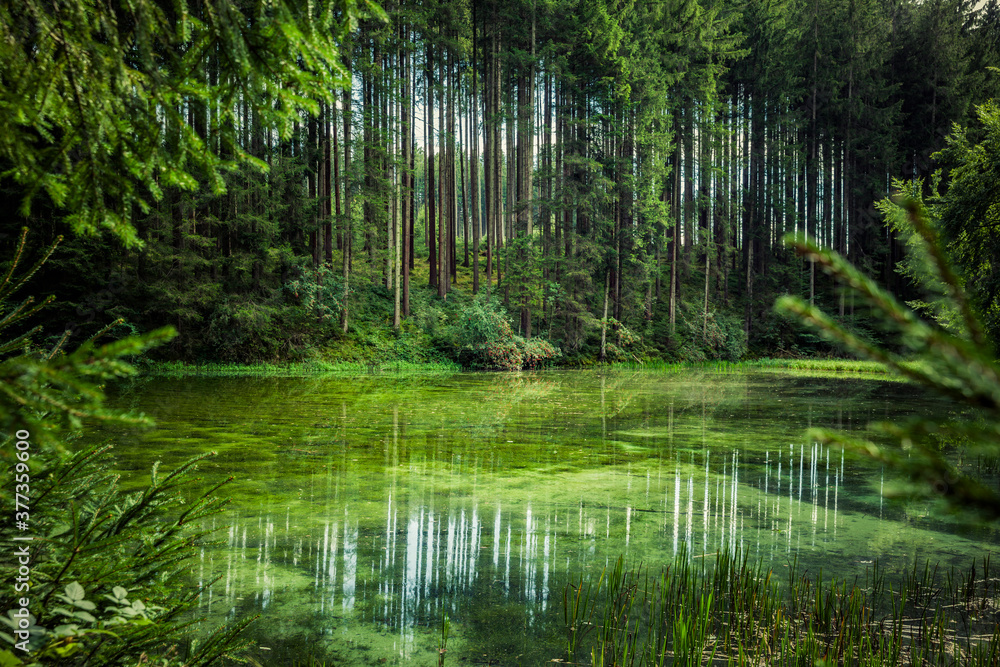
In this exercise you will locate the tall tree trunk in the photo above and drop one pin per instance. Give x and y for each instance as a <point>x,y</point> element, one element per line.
<point>442,240</point>
<point>812,164</point>
<point>452,189</point>
<point>328,117</point>
<point>704,324</point>
<point>689,197</point>
<point>348,240</point>
<point>432,272</point>
<point>676,215</point>
<point>496,233</point>
<point>312,179</point>
<point>750,203</point>
<point>474,146</point>
<point>368,116</point>
<point>338,212</point>
<point>525,155</point>
<point>545,209</point>
<point>604,318</point>
<point>386,144</point>
<point>463,190</point>
<point>405,173</point>
<point>510,204</point>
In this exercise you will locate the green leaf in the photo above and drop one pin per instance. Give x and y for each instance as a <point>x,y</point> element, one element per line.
<point>66,650</point>
<point>67,630</point>
<point>8,659</point>
<point>75,591</point>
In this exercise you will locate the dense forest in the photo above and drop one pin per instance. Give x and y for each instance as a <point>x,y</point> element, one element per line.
<point>509,183</point>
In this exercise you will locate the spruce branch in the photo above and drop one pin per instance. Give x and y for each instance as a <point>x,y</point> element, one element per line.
<point>961,369</point>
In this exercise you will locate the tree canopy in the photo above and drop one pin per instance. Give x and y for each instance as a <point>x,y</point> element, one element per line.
<point>103,105</point>
<point>608,171</point>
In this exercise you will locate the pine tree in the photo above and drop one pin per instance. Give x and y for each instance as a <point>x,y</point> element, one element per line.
<point>95,95</point>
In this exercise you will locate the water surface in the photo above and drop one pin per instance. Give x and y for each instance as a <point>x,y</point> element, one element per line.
<point>367,509</point>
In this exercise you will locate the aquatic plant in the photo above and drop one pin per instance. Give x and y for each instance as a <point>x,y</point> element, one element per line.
<point>800,365</point>
<point>174,369</point>
<point>443,640</point>
<point>728,610</point>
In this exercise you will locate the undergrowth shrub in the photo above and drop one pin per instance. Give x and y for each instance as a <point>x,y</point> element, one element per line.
<point>319,292</point>
<point>243,330</point>
<point>621,343</point>
<point>485,339</point>
<point>501,355</point>
<point>720,337</point>
<point>536,353</point>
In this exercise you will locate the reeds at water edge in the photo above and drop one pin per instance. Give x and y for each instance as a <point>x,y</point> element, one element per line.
<point>726,610</point>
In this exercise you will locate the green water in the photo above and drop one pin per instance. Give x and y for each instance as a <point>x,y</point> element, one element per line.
<point>367,509</point>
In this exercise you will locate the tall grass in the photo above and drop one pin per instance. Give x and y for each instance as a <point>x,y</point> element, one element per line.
<point>179,370</point>
<point>731,611</point>
<point>802,365</point>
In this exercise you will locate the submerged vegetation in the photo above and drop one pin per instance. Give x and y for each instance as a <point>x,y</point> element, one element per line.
<point>724,609</point>
<point>350,493</point>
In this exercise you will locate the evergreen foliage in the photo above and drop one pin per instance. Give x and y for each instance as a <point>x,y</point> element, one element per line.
<point>47,391</point>
<point>108,577</point>
<point>89,88</point>
<point>969,213</point>
<point>960,366</point>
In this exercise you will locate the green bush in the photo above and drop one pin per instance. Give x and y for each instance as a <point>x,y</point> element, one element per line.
<point>320,292</point>
<point>243,330</point>
<point>536,353</point>
<point>720,337</point>
<point>485,339</point>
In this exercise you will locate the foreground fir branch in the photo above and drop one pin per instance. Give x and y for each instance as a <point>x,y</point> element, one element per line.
<point>960,367</point>
<point>107,575</point>
<point>98,545</point>
<point>43,390</point>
